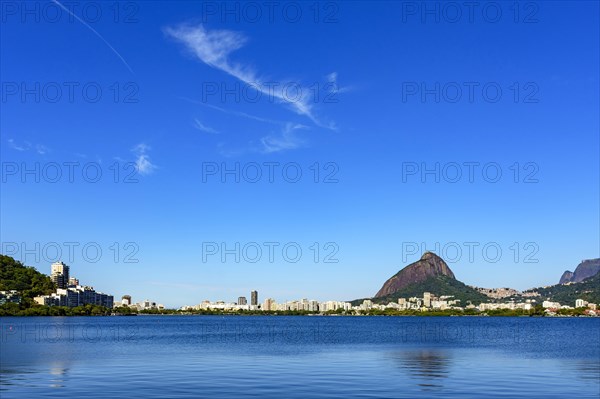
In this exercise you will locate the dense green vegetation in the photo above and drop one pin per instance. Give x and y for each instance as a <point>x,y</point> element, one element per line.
<point>588,290</point>
<point>439,285</point>
<point>27,280</point>
<point>31,283</point>
<point>14,309</point>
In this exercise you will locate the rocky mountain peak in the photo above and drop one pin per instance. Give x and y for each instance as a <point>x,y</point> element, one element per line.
<point>430,265</point>
<point>586,269</point>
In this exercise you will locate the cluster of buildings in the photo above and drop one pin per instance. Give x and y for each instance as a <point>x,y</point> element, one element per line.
<point>527,305</point>
<point>549,306</point>
<point>430,302</point>
<point>498,293</point>
<point>241,304</point>
<point>9,296</point>
<point>70,293</point>
<point>579,303</point>
<point>305,305</point>
<point>144,305</point>
<point>427,302</point>
<point>270,304</point>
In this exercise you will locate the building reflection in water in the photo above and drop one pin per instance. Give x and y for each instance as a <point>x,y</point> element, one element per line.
<point>588,370</point>
<point>58,374</point>
<point>428,367</point>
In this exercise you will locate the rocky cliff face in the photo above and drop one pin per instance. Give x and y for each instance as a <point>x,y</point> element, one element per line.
<point>430,265</point>
<point>586,269</point>
<point>566,277</point>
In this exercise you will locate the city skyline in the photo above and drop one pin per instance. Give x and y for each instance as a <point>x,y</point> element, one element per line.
<point>69,292</point>
<point>60,272</point>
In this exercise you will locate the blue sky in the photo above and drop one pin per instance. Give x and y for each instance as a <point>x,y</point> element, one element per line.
<point>171,94</point>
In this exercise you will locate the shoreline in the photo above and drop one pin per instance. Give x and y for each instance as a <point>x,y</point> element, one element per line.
<point>309,315</point>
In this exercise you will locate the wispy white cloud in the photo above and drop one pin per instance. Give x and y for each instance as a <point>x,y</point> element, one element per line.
<point>332,79</point>
<point>95,32</point>
<point>230,112</point>
<point>214,49</point>
<point>26,146</point>
<point>203,128</point>
<point>19,147</point>
<point>287,140</point>
<point>229,152</point>
<point>41,149</point>
<point>142,162</point>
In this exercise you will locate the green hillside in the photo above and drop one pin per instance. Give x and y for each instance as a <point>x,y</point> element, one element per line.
<point>27,280</point>
<point>588,290</point>
<point>438,286</point>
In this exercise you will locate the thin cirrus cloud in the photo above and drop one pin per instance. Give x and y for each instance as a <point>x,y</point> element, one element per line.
<point>142,162</point>
<point>41,149</point>
<point>19,147</point>
<point>230,112</point>
<point>214,49</point>
<point>287,140</point>
<point>26,146</point>
<point>95,33</point>
<point>336,89</point>
<point>203,128</point>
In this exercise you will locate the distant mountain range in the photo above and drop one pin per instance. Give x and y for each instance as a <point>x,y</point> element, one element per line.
<point>586,269</point>
<point>432,274</point>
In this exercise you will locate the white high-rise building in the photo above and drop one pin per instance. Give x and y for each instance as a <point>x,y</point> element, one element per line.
<point>126,300</point>
<point>580,303</point>
<point>60,274</point>
<point>269,304</point>
<point>427,299</point>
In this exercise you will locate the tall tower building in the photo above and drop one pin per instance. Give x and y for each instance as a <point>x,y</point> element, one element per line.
<point>60,274</point>
<point>254,298</point>
<point>427,299</point>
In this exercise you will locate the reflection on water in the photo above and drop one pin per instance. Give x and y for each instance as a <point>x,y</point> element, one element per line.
<point>299,357</point>
<point>58,373</point>
<point>428,366</point>
<point>588,370</point>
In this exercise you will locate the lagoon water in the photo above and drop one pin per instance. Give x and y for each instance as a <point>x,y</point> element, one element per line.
<point>299,357</point>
